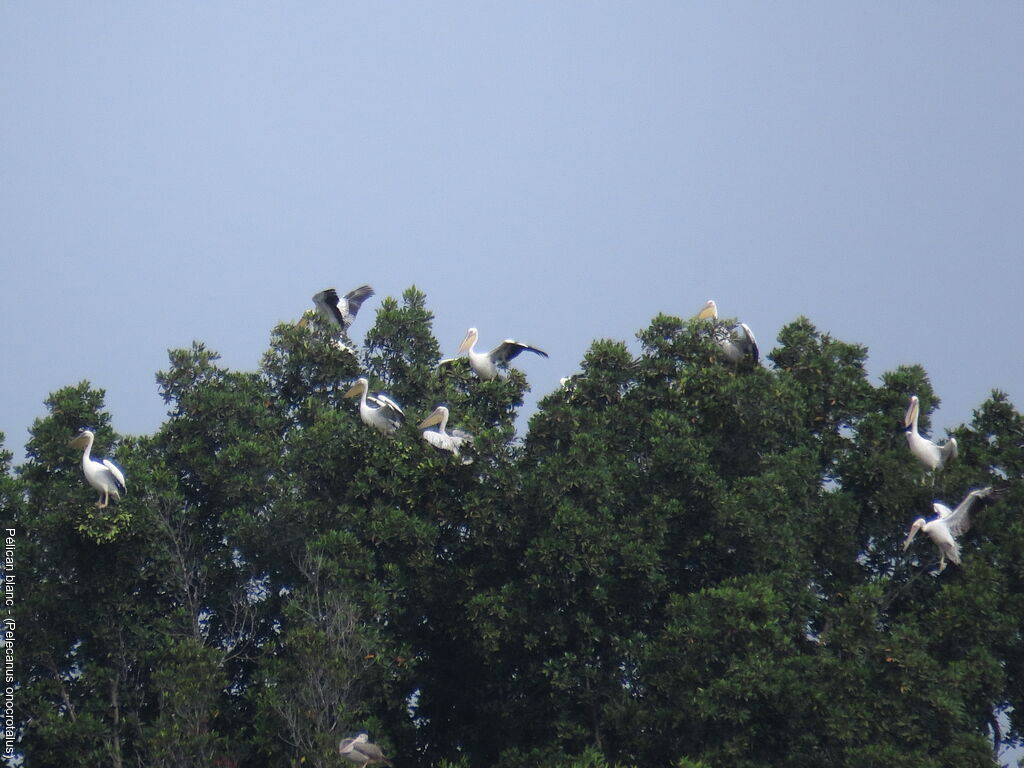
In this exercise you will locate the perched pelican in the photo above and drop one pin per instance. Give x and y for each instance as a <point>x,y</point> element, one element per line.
<point>928,453</point>
<point>441,438</point>
<point>485,364</point>
<point>737,343</point>
<point>950,523</point>
<point>340,311</point>
<point>378,411</point>
<point>102,474</point>
<point>360,750</point>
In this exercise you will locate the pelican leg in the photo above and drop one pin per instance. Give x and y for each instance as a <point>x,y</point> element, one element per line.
<point>105,501</point>
<point>942,562</point>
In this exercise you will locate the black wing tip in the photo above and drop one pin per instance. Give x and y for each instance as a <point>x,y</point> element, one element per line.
<point>520,347</point>
<point>512,350</point>
<point>327,293</point>
<point>996,493</point>
<point>362,292</point>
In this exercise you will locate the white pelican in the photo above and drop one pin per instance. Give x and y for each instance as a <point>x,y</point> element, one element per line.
<point>443,439</point>
<point>950,523</point>
<point>102,474</point>
<point>737,343</point>
<point>485,364</point>
<point>928,453</point>
<point>378,411</point>
<point>340,311</point>
<point>360,750</point>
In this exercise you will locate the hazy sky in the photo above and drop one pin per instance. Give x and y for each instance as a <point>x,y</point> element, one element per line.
<point>553,172</point>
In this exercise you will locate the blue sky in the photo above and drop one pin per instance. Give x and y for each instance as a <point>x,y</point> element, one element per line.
<point>551,172</point>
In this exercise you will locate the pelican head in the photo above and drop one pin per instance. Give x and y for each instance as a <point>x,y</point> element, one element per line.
<point>439,416</point>
<point>471,336</point>
<point>917,526</point>
<point>913,411</point>
<point>361,385</point>
<point>82,438</point>
<point>709,312</point>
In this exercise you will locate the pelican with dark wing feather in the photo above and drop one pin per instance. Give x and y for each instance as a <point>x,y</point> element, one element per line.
<point>930,454</point>
<point>340,311</point>
<point>102,474</point>
<point>951,523</point>
<point>737,343</point>
<point>486,364</point>
<point>442,438</point>
<point>378,410</point>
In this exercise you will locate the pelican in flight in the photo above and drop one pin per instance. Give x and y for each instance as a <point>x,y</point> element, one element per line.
<point>102,474</point>
<point>443,439</point>
<point>340,311</point>
<point>928,453</point>
<point>362,751</point>
<point>737,343</point>
<point>486,364</point>
<point>378,411</point>
<point>950,523</point>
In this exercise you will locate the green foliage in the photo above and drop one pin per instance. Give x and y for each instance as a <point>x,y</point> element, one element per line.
<point>401,350</point>
<point>681,563</point>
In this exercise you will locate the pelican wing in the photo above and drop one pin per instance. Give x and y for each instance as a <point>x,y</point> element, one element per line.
<point>439,439</point>
<point>386,404</point>
<point>746,342</point>
<point>354,300</point>
<point>451,440</point>
<point>116,473</point>
<point>736,343</point>
<point>328,304</point>
<point>948,450</point>
<point>370,750</point>
<point>959,520</point>
<point>509,349</point>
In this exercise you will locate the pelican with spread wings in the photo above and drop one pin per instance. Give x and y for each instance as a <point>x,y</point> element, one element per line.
<point>951,523</point>
<point>737,343</point>
<point>486,364</point>
<point>340,311</point>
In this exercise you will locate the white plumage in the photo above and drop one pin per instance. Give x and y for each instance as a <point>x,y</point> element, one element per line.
<point>951,523</point>
<point>486,364</point>
<point>737,343</point>
<point>443,439</point>
<point>362,751</point>
<point>340,311</point>
<point>930,454</point>
<point>378,411</point>
<point>102,474</point>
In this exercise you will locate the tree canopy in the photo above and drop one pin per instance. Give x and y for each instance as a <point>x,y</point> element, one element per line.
<point>679,563</point>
